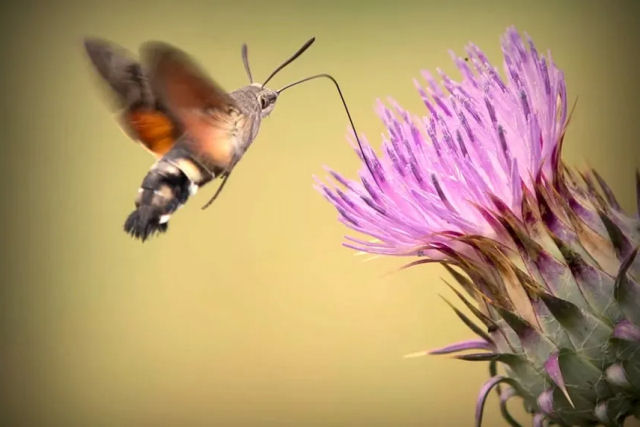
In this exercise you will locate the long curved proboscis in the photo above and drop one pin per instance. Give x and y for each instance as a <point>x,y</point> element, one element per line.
<point>346,109</point>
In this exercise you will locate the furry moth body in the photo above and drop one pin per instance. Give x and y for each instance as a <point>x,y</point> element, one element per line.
<point>197,131</point>
<point>212,148</point>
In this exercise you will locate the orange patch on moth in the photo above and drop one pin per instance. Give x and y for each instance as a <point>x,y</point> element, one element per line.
<point>153,128</point>
<point>217,146</point>
<point>212,140</point>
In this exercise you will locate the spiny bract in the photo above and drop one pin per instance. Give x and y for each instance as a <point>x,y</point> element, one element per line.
<point>545,255</point>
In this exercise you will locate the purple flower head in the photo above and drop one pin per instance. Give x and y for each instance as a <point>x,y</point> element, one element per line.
<point>483,143</point>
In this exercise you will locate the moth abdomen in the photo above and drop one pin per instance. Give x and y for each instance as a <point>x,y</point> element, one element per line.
<point>164,189</point>
<point>144,221</point>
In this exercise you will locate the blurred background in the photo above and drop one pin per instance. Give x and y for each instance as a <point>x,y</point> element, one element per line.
<point>251,313</point>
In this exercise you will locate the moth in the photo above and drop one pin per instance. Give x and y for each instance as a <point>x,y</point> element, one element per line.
<point>196,130</point>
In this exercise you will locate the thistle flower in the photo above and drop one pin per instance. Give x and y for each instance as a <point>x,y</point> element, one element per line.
<point>544,255</point>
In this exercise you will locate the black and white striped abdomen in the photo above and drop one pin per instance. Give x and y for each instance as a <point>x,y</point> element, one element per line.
<point>165,188</point>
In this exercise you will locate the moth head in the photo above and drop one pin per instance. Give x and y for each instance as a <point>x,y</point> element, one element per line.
<point>267,97</point>
<point>267,100</point>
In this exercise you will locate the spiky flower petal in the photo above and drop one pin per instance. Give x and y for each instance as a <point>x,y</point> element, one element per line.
<point>545,256</point>
<point>437,174</point>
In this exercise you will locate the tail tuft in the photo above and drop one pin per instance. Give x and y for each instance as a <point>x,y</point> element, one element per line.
<point>144,222</point>
<point>164,189</point>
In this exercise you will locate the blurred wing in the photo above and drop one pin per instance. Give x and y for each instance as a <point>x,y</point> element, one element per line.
<point>154,128</point>
<point>143,117</point>
<point>206,111</point>
<point>180,83</point>
<point>122,72</point>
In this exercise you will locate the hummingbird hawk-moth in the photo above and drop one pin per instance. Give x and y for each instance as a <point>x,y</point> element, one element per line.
<point>196,130</point>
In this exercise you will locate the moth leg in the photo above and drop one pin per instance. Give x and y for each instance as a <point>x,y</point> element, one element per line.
<point>225,176</point>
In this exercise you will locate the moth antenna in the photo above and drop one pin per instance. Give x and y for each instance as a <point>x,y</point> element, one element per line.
<point>215,195</point>
<point>245,61</point>
<point>344,103</point>
<point>288,61</point>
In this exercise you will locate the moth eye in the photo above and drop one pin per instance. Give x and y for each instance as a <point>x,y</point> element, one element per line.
<point>264,103</point>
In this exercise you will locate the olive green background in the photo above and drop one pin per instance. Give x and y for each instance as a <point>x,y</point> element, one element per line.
<point>251,313</point>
